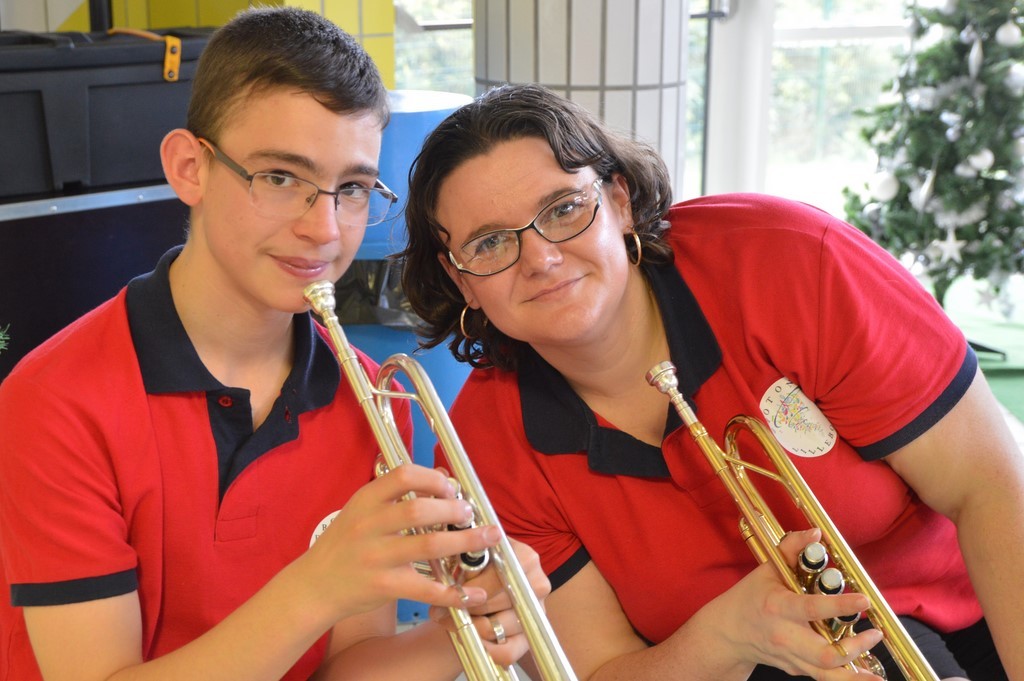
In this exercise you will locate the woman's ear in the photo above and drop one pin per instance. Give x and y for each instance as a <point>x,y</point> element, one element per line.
<point>456,276</point>
<point>184,165</point>
<point>618,194</point>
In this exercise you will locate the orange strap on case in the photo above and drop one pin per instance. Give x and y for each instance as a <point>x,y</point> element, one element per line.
<point>172,49</point>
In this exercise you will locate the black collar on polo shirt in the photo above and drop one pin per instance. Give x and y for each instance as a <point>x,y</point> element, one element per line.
<point>170,364</point>
<point>557,421</point>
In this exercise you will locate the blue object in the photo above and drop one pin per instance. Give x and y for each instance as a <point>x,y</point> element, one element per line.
<point>414,113</point>
<point>447,375</point>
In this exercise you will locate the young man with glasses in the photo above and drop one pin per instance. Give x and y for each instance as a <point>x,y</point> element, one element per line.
<point>174,461</point>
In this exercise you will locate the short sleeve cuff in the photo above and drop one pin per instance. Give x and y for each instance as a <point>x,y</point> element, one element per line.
<point>930,416</point>
<point>564,572</point>
<point>75,590</point>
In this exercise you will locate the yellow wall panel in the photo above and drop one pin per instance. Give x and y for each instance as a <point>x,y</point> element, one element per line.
<point>78,20</point>
<point>378,17</point>
<point>344,13</point>
<point>130,13</point>
<point>382,50</point>
<point>371,22</point>
<point>170,14</point>
<point>313,5</point>
<point>219,12</point>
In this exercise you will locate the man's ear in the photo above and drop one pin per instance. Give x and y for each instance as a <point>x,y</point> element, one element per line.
<point>456,276</point>
<point>184,163</point>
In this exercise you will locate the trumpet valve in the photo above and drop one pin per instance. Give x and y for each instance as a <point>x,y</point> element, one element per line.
<point>842,625</point>
<point>380,466</point>
<point>471,562</point>
<point>830,582</point>
<point>810,564</point>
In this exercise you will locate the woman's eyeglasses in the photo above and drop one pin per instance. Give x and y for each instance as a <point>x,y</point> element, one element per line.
<point>566,217</point>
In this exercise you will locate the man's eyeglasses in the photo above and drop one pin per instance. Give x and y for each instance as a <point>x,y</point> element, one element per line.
<point>566,217</point>
<point>280,196</point>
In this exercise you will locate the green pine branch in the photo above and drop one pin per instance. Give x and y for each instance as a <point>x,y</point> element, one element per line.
<point>950,145</point>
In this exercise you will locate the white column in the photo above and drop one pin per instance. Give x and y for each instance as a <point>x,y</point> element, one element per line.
<point>624,60</point>
<point>738,99</point>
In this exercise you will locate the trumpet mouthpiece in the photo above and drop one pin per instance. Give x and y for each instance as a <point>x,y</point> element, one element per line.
<point>663,377</point>
<point>320,296</point>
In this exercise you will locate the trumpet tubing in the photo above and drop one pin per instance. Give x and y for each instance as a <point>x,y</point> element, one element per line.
<point>762,532</point>
<point>375,400</point>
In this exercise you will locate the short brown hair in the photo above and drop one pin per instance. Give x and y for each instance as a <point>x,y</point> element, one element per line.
<point>282,47</point>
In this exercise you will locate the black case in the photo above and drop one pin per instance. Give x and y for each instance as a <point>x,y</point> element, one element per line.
<point>85,111</point>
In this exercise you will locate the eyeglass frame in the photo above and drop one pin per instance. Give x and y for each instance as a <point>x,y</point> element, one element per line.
<point>237,168</point>
<point>518,231</point>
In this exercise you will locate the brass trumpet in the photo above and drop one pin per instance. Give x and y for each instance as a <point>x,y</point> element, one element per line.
<point>762,532</point>
<point>376,402</point>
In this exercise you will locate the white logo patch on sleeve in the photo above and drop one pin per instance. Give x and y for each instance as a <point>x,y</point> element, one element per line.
<point>795,421</point>
<point>322,526</point>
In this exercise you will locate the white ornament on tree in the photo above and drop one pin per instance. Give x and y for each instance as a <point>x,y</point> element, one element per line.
<point>884,186</point>
<point>923,98</point>
<point>969,34</point>
<point>982,160</point>
<point>1009,34</point>
<point>1014,79</point>
<point>951,219</point>
<point>919,199</point>
<point>987,296</point>
<point>950,247</point>
<point>975,59</point>
<point>965,170</point>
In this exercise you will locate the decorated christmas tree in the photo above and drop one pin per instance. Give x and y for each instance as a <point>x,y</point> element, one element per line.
<point>948,195</point>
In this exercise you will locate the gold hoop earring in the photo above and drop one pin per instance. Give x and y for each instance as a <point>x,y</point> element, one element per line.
<point>462,324</point>
<point>639,249</point>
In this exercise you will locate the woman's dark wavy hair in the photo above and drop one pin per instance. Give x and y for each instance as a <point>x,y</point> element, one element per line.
<point>282,47</point>
<point>504,114</point>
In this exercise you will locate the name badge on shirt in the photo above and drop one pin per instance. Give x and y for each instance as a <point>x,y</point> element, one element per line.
<point>322,526</point>
<point>795,421</point>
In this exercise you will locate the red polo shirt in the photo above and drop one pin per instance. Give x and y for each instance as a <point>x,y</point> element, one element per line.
<point>126,466</point>
<point>773,309</point>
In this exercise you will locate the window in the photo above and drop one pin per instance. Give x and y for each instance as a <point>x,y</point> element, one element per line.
<point>799,136</point>
<point>434,45</point>
<point>829,59</point>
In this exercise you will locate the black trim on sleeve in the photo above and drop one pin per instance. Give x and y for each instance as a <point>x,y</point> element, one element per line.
<point>930,416</point>
<point>74,590</point>
<point>564,572</point>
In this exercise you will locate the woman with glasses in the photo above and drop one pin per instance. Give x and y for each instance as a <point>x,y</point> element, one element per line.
<point>546,250</point>
<point>187,484</point>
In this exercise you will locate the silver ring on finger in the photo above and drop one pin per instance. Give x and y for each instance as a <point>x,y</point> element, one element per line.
<point>498,629</point>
